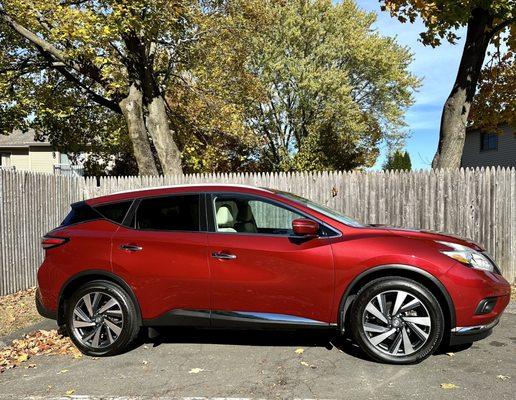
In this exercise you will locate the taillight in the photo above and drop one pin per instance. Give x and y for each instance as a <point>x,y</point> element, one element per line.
<point>47,242</point>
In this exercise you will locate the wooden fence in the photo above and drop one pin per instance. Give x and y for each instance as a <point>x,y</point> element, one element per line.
<point>478,204</point>
<point>31,204</point>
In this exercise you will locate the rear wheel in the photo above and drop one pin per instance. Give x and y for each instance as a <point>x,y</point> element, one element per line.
<point>397,320</point>
<point>101,319</point>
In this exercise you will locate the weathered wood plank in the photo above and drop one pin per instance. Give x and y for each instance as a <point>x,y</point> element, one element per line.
<point>479,204</point>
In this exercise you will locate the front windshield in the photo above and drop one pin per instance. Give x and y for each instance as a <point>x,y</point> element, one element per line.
<point>320,208</point>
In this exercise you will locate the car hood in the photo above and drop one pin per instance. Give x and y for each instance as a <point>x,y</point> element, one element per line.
<point>431,235</point>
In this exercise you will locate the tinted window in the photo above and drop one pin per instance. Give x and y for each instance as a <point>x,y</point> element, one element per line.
<point>242,214</point>
<point>115,212</point>
<point>173,213</point>
<point>81,212</point>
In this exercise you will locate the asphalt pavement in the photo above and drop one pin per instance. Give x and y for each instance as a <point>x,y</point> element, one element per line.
<point>270,365</point>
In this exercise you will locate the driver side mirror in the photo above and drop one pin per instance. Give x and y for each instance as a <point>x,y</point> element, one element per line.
<point>305,227</point>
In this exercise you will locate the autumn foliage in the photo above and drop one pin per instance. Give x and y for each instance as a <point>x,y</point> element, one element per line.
<point>42,342</point>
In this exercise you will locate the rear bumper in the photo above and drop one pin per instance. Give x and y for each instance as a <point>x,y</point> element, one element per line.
<point>469,334</point>
<point>42,310</point>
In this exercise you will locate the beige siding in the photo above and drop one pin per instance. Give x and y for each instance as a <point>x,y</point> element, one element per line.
<point>43,159</point>
<point>19,158</point>
<point>34,158</point>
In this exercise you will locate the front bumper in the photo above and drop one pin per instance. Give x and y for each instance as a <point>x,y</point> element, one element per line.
<point>469,334</point>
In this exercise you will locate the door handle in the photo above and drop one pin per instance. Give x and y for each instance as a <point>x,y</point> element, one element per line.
<point>131,247</point>
<point>223,256</point>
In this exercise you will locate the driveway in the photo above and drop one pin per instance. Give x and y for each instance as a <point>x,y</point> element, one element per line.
<point>237,364</point>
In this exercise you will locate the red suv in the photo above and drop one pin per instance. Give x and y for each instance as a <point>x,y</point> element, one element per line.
<point>237,256</point>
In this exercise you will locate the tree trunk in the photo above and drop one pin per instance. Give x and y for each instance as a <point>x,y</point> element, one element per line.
<point>132,108</point>
<point>456,109</point>
<point>158,126</point>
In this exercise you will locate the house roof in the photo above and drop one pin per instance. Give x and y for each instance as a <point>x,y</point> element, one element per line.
<point>17,138</point>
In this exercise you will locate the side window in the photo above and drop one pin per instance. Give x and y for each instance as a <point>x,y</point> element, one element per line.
<point>171,213</point>
<point>81,212</point>
<point>115,212</point>
<point>242,214</point>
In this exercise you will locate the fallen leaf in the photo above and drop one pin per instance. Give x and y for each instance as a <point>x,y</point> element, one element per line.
<point>63,371</point>
<point>70,392</point>
<point>448,386</point>
<point>300,351</point>
<point>17,310</point>
<point>503,377</point>
<point>308,365</point>
<point>195,370</point>
<point>31,366</point>
<point>33,344</point>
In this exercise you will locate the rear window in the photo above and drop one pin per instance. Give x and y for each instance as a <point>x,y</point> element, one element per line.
<point>115,212</point>
<point>81,212</point>
<point>171,213</point>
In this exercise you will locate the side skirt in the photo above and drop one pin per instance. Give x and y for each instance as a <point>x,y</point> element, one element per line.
<point>234,319</point>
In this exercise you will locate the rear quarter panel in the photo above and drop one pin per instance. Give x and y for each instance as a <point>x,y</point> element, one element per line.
<point>89,248</point>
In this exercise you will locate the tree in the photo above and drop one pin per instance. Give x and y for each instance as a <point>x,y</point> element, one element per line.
<point>122,56</point>
<point>334,89</point>
<point>398,161</point>
<point>209,102</point>
<point>486,22</point>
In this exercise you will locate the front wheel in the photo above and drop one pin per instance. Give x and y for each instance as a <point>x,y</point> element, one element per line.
<point>397,320</point>
<point>101,319</point>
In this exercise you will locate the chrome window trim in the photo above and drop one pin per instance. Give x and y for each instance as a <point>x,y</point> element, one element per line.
<point>214,195</point>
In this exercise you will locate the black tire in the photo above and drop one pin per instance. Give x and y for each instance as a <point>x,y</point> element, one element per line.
<point>128,327</point>
<point>422,341</point>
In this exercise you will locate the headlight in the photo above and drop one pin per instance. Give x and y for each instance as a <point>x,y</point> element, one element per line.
<point>468,256</point>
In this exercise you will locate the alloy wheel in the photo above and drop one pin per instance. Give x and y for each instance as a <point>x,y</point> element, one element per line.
<point>397,323</point>
<point>97,320</point>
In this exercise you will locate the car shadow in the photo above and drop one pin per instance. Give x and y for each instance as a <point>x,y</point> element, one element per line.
<point>327,339</point>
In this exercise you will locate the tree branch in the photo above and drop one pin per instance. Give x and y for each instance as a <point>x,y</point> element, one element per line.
<point>97,98</point>
<point>498,28</point>
<point>62,69</point>
<point>90,70</point>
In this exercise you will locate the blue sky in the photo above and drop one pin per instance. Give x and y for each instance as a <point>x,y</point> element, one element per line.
<point>437,68</point>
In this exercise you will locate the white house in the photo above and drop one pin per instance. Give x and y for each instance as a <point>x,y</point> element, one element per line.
<point>20,151</point>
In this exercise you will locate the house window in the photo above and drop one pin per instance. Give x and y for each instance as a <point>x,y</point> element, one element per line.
<point>488,141</point>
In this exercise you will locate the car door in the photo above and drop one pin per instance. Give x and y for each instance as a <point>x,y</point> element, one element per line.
<point>260,272</point>
<point>163,255</point>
